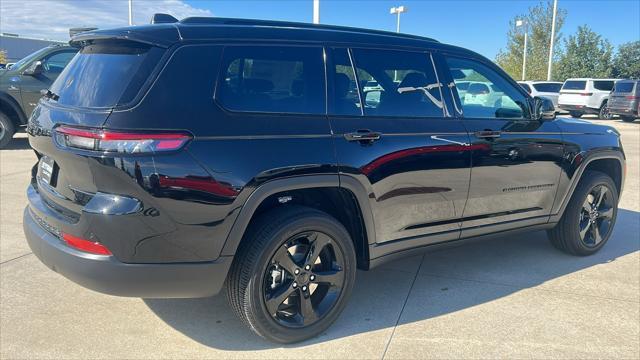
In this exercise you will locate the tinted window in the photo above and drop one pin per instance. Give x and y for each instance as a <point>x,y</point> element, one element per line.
<point>574,85</point>
<point>406,83</point>
<point>548,87</point>
<point>526,87</point>
<point>624,87</point>
<point>103,75</point>
<point>345,98</point>
<point>488,95</point>
<point>55,63</point>
<point>605,85</point>
<point>273,79</point>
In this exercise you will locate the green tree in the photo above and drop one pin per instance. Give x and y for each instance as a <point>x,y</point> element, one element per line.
<point>586,54</point>
<point>539,21</point>
<point>626,63</point>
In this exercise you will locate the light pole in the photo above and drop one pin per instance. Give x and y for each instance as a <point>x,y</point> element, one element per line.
<point>398,10</point>
<point>316,11</point>
<point>524,24</point>
<point>130,13</point>
<point>553,35</point>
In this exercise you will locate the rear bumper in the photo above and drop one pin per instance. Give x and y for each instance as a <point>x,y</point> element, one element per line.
<point>581,108</point>
<point>628,111</point>
<point>107,275</point>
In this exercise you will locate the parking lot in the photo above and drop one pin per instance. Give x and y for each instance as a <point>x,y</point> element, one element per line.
<point>504,297</point>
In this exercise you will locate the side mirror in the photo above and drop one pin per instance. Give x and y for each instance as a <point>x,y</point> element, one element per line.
<point>34,69</point>
<point>543,109</point>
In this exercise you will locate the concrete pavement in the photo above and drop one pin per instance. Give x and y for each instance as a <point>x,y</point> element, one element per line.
<point>503,297</point>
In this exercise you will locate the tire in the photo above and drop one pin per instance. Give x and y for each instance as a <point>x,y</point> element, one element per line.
<point>603,112</point>
<point>628,119</point>
<point>575,114</point>
<point>250,283</point>
<point>567,236</point>
<point>7,129</point>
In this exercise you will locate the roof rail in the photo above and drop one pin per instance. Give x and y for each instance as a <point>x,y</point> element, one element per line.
<point>276,23</point>
<point>160,18</point>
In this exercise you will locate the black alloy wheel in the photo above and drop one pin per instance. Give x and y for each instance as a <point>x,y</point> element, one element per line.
<point>596,216</point>
<point>304,279</point>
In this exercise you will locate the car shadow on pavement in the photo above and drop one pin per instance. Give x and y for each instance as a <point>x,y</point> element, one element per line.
<point>18,143</point>
<point>448,280</point>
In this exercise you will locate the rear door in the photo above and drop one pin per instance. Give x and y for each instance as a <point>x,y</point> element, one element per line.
<point>516,160</point>
<point>398,142</point>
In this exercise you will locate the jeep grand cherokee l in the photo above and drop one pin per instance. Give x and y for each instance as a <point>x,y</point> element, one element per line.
<point>180,158</point>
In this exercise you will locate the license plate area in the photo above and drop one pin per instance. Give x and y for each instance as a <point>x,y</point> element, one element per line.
<point>47,171</point>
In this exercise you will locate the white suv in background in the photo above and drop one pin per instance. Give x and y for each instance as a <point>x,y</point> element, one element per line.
<point>546,89</point>
<point>586,96</point>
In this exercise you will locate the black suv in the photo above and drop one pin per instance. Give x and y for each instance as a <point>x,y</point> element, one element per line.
<point>177,159</point>
<point>21,85</point>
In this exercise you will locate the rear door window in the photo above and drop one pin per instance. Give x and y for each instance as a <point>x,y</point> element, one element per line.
<point>574,85</point>
<point>279,79</point>
<point>105,74</point>
<point>547,87</point>
<point>604,85</point>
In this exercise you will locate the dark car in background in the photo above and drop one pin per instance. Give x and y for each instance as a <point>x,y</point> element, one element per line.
<point>624,100</point>
<point>179,159</point>
<point>21,86</point>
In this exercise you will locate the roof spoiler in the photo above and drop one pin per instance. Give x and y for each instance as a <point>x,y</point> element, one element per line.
<point>161,18</point>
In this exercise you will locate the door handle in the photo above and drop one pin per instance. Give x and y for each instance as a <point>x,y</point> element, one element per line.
<point>488,134</point>
<point>363,136</point>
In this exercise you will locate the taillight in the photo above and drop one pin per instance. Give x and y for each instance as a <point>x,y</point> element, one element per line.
<point>586,94</point>
<point>631,97</point>
<point>119,142</point>
<point>89,246</point>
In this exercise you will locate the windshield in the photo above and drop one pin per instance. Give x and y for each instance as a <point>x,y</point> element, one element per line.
<point>27,59</point>
<point>105,74</point>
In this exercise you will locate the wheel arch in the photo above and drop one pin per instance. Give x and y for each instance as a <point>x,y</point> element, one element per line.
<point>609,162</point>
<point>341,197</point>
<point>10,107</point>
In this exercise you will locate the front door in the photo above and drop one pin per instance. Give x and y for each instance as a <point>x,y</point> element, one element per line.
<point>392,134</point>
<point>516,160</point>
<point>31,85</point>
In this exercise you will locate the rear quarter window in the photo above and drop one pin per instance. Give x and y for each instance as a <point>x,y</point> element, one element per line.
<point>278,79</point>
<point>604,85</point>
<point>574,85</point>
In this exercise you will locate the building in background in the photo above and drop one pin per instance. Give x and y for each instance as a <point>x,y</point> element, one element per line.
<point>17,47</point>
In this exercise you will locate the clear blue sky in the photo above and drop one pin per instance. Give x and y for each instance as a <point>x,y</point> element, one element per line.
<point>477,25</point>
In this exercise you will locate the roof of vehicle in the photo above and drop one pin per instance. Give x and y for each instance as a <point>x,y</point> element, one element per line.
<point>539,82</point>
<point>587,79</point>
<point>212,28</point>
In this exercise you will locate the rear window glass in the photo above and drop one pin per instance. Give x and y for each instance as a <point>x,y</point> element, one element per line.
<point>624,87</point>
<point>282,79</point>
<point>105,74</point>
<point>603,85</point>
<point>548,87</point>
<point>574,85</point>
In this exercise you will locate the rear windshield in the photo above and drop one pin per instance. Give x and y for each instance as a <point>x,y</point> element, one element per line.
<point>105,74</point>
<point>548,87</point>
<point>606,85</point>
<point>624,87</point>
<point>574,85</point>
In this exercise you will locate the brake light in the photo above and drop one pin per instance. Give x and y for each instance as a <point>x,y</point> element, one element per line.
<point>586,94</point>
<point>119,142</point>
<point>89,246</point>
<point>631,97</point>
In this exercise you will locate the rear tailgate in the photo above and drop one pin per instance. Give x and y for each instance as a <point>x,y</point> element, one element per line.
<point>623,95</point>
<point>573,93</point>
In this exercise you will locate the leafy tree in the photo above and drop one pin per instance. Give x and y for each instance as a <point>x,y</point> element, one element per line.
<point>3,56</point>
<point>586,54</point>
<point>539,21</point>
<point>626,63</point>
